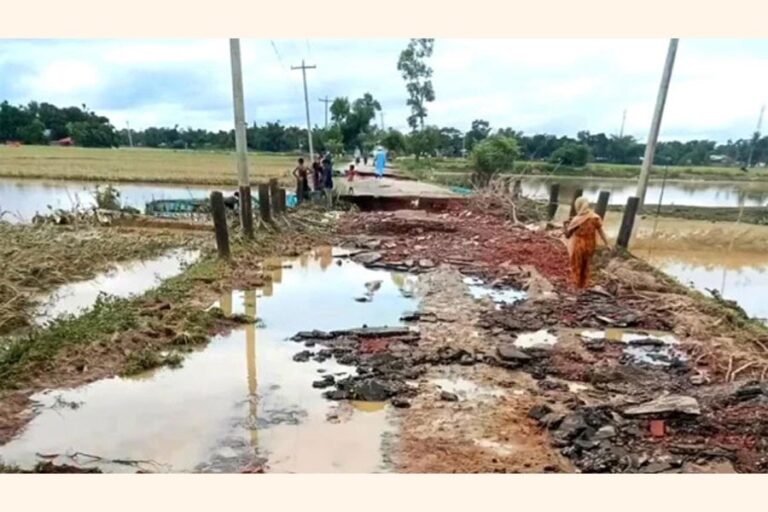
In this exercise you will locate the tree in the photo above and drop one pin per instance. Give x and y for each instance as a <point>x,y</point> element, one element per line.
<point>424,142</point>
<point>493,155</point>
<point>451,142</point>
<point>573,154</point>
<point>480,130</point>
<point>393,140</point>
<point>417,74</point>
<point>94,134</point>
<point>354,120</point>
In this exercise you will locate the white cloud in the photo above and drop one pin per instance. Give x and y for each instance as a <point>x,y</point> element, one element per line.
<point>559,85</point>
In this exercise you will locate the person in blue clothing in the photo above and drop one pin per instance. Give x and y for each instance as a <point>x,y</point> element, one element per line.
<point>381,162</point>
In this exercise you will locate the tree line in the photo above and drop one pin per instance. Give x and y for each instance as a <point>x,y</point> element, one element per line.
<point>353,126</point>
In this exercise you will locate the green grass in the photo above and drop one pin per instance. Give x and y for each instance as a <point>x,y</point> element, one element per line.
<point>449,170</point>
<point>139,165</point>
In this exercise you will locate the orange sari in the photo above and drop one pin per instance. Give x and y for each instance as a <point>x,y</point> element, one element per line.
<point>582,243</point>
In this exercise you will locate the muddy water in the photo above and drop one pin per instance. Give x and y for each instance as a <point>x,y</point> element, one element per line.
<point>21,199</point>
<point>241,401</point>
<point>125,280</point>
<point>683,193</point>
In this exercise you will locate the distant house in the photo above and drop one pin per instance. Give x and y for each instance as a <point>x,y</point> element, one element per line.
<point>13,143</point>
<point>66,141</point>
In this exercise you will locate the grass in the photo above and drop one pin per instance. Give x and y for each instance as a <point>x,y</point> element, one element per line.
<point>36,258</point>
<point>455,171</point>
<point>139,165</point>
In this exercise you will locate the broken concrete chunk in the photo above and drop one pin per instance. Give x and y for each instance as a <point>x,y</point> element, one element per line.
<point>508,352</point>
<point>426,263</point>
<point>367,258</point>
<point>539,411</point>
<point>666,404</point>
<point>448,396</point>
<point>303,356</point>
<point>371,390</point>
<point>606,432</point>
<point>401,403</point>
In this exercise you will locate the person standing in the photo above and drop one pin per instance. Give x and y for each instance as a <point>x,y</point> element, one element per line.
<point>581,234</point>
<point>302,183</point>
<point>351,173</point>
<point>381,162</point>
<point>317,174</point>
<point>328,172</point>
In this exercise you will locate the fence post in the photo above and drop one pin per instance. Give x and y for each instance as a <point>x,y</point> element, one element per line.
<point>264,210</point>
<point>281,199</point>
<point>602,203</point>
<point>554,195</point>
<point>627,222</point>
<point>220,223</point>
<point>274,195</point>
<point>577,194</point>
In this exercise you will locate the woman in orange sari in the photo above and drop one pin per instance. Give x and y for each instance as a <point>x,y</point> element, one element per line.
<point>581,234</point>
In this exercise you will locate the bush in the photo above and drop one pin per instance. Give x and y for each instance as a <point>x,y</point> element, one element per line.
<point>493,155</point>
<point>107,198</point>
<point>573,154</point>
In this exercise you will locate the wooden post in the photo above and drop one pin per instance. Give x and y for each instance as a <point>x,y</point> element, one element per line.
<point>554,195</point>
<point>281,195</point>
<point>274,196</point>
<point>264,210</point>
<point>577,194</point>
<point>602,203</point>
<point>220,223</point>
<point>517,189</point>
<point>627,222</point>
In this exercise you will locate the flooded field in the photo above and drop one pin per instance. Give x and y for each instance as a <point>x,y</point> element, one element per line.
<point>690,193</point>
<point>22,199</point>
<point>125,280</point>
<point>242,402</point>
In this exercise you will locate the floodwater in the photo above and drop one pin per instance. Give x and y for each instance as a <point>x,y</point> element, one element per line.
<point>681,193</point>
<point>21,199</point>
<point>241,401</point>
<point>125,280</point>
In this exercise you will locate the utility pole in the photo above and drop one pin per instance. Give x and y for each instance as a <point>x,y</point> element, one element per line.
<point>623,120</point>
<point>304,69</point>
<point>381,114</point>
<point>130,137</point>
<point>243,180</point>
<point>756,136</point>
<point>650,147</point>
<point>326,101</point>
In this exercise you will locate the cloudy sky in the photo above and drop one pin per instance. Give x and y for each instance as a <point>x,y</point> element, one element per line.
<point>549,85</point>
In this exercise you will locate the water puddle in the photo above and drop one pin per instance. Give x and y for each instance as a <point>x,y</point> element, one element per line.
<point>537,339</point>
<point>241,402</point>
<point>466,389</point>
<point>125,280</point>
<point>480,290</point>
<point>654,348</point>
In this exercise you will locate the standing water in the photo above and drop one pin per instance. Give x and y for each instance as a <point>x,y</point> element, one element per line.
<point>241,402</point>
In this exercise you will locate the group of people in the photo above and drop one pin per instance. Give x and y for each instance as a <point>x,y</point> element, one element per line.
<point>321,172</point>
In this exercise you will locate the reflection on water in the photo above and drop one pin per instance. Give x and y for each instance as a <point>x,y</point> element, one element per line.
<point>240,401</point>
<point>125,280</point>
<point>23,198</point>
<point>675,193</point>
<point>738,276</point>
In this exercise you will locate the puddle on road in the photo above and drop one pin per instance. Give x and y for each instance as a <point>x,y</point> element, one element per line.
<point>655,348</point>
<point>242,399</point>
<point>480,290</point>
<point>125,280</point>
<point>537,339</point>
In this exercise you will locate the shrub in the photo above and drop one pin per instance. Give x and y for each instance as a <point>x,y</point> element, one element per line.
<point>493,155</point>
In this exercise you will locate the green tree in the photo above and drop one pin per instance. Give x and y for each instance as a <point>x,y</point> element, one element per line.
<point>417,75</point>
<point>574,154</point>
<point>480,130</point>
<point>94,134</point>
<point>493,155</point>
<point>393,140</point>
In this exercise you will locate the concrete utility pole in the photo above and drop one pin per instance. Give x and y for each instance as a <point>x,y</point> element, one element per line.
<point>382,120</point>
<point>244,182</point>
<point>326,101</point>
<point>650,147</point>
<point>756,136</point>
<point>304,69</point>
<point>623,120</point>
<point>130,137</point>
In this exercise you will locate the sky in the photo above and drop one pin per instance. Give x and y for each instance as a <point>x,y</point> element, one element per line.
<point>555,86</point>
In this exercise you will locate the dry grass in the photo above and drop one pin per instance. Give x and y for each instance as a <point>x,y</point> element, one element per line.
<point>35,259</point>
<point>139,165</point>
